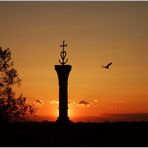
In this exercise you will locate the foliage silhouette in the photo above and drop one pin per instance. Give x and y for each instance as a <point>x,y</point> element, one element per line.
<point>11,108</point>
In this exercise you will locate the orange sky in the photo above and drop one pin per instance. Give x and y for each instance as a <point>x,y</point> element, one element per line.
<point>96,33</point>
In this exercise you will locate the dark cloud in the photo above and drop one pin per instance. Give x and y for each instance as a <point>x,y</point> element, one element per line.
<point>38,102</point>
<point>83,102</point>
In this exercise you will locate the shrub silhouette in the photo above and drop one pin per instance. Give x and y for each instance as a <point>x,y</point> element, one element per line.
<point>11,108</point>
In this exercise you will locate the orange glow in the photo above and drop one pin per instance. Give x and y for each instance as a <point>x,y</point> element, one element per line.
<point>71,113</point>
<point>96,33</point>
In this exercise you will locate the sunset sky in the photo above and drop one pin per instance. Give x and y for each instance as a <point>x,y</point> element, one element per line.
<point>96,33</point>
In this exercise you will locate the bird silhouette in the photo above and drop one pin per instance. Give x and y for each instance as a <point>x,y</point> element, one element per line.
<point>107,66</point>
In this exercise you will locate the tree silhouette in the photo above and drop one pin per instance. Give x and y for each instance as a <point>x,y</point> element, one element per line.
<point>11,108</point>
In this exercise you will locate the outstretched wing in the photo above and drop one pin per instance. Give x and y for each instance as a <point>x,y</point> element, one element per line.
<point>109,64</point>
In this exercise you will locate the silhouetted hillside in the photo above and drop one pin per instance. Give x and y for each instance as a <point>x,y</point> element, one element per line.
<point>74,134</point>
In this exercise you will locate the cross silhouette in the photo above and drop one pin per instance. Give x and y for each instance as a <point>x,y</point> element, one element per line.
<point>64,45</point>
<point>63,54</point>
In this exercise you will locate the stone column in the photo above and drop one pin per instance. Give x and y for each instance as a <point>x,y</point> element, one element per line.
<point>63,73</point>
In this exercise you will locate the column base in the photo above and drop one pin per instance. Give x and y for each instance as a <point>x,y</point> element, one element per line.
<point>63,120</point>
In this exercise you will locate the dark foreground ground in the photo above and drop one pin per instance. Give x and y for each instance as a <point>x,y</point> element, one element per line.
<point>76,134</point>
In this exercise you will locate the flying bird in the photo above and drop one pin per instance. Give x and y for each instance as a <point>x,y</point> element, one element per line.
<point>107,66</point>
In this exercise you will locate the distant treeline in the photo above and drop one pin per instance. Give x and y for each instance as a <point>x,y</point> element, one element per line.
<point>74,134</point>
